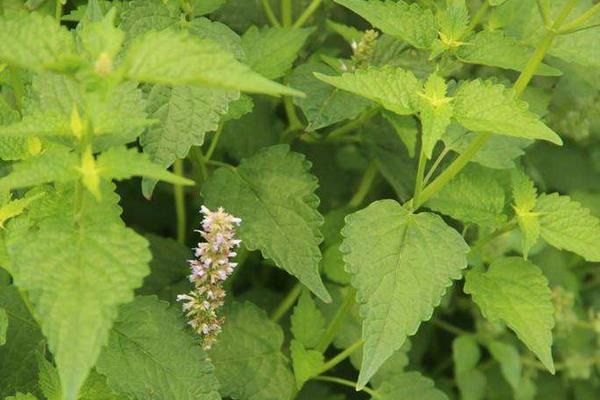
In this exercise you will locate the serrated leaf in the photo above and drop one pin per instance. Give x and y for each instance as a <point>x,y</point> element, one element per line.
<point>510,361</point>
<point>142,16</point>
<point>16,207</point>
<point>407,22</point>
<point>101,41</point>
<point>435,110</point>
<point>409,385</point>
<point>185,113</point>
<point>150,355</point>
<point>482,106</point>
<point>273,193</point>
<point>230,41</point>
<point>475,195</point>
<point>306,362</point>
<point>495,49</point>
<point>100,263</point>
<point>272,51</point>
<point>325,105</point>
<point>308,324</point>
<point>565,224</point>
<point>21,44</point>
<point>524,195</point>
<point>333,265</point>
<point>248,359</point>
<point>178,58</point>
<point>401,264</point>
<point>516,292</point>
<point>393,88</point>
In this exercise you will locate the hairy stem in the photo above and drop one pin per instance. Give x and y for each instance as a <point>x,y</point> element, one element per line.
<point>340,357</point>
<point>288,301</point>
<point>336,323</point>
<point>497,233</point>
<point>270,14</point>
<point>436,164</point>
<point>346,382</point>
<point>419,181</point>
<point>351,125</point>
<point>286,13</point>
<point>312,7</point>
<point>213,143</point>
<point>179,203</point>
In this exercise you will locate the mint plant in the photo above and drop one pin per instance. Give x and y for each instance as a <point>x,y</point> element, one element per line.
<point>385,199</point>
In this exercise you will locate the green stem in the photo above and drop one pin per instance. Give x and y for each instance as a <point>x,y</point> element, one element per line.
<point>216,163</point>
<point>197,157</point>
<point>340,357</point>
<point>179,203</point>
<point>78,203</point>
<point>364,187</point>
<point>481,12</point>
<point>294,123</point>
<point>419,181</point>
<point>270,14</point>
<point>497,233</point>
<point>544,11</point>
<point>286,13</point>
<point>436,164</point>
<point>352,125</point>
<point>312,7</point>
<point>582,19</point>
<point>288,301</point>
<point>346,382</point>
<point>450,328</point>
<point>336,323</point>
<point>59,10</point>
<point>213,143</point>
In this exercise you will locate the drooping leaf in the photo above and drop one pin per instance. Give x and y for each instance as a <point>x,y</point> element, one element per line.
<point>248,359</point>
<point>308,324</point>
<point>402,264</point>
<point>151,356</point>
<point>516,292</point>
<point>273,193</point>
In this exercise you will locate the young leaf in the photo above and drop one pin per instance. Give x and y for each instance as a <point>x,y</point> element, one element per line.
<point>409,385</point>
<point>525,195</point>
<point>435,110</point>
<point>407,22</point>
<point>248,359</point>
<point>230,41</point>
<point>473,196</point>
<point>77,270</point>
<point>482,106</point>
<point>185,113</point>
<point>273,193</point>
<point>465,354</point>
<point>178,58</point>
<point>21,43</point>
<point>565,224</point>
<point>402,264</point>
<point>272,51</point>
<point>306,362</point>
<point>141,363</point>
<point>393,88</point>
<point>142,16</point>
<point>308,324</point>
<point>16,207</point>
<point>510,361</point>
<point>516,292</point>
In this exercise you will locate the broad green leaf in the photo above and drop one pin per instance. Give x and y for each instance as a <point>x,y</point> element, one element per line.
<point>229,40</point>
<point>393,88</point>
<point>15,147</point>
<point>333,265</point>
<point>308,324</point>
<point>453,21</point>
<point>472,385</point>
<point>21,43</point>
<point>248,359</point>
<point>101,41</point>
<point>465,354</point>
<point>524,196</point>
<point>401,264</point>
<point>325,105</point>
<point>272,51</point>
<point>435,110</point>
<point>77,270</point>
<point>18,362</point>
<point>475,195</point>
<point>516,292</point>
<point>409,385</point>
<point>202,7</point>
<point>407,22</point>
<point>510,361</point>
<point>273,193</point>
<point>306,362</point>
<point>185,113</point>
<point>3,326</point>
<point>142,16</point>
<point>150,355</point>
<point>495,49</point>
<point>579,47</point>
<point>565,224</point>
<point>406,128</point>
<point>43,124</point>
<point>482,106</point>
<point>178,58</point>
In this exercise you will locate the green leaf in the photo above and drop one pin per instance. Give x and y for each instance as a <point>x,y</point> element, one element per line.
<point>43,124</point>
<point>21,396</point>
<point>101,41</point>
<point>393,88</point>
<point>565,224</point>
<point>122,163</point>
<point>308,324</point>
<point>516,292</point>
<point>482,106</point>
<point>333,265</point>
<point>202,7</point>
<point>495,49</point>
<point>21,44</point>
<point>524,196</point>
<point>402,264</point>
<point>409,385</point>
<point>229,40</point>
<point>77,270</point>
<point>178,58</point>
<point>150,355</point>
<point>465,354</point>
<point>306,362</point>
<point>475,195</point>
<point>272,51</point>
<point>185,113</point>
<point>407,22</point>
<point>325,105</point>
<point>510,361</point>
<point>472,385</point>
<point>142,16</point>
<point>406,128</point>
<point>248,358</point>
<point>273,193</point>
<point>18,360</point>
<point>579,47</point>
<point>3,326</point>
<point>435,110</point>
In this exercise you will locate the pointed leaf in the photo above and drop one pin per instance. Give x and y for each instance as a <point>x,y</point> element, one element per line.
<point>308,324</point>
<point>435,111</point>
<point>306,362</point>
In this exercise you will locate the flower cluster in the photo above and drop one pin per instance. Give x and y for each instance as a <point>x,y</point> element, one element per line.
<point>210,268</point>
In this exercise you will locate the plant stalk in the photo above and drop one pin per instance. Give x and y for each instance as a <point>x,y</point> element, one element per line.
<point>179,203</point>
<point>340,357</point>
<point>288,301</point>
<point>336,323</point>
<point>310,10</point>
<point>346,382</point>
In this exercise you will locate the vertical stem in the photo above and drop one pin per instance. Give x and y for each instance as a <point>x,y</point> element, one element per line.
<point>365,185</point>
<point>213,143</point>
<point>179,203</point>
<point>345,382</point>
<point>436,164</point>
<point>287,303</point>
<point>340,357</point>
<point>335,324</point>
<point>420,177</point>
<point>270,14</point>
<point>286,13</point>
<point>312,7</point>
<point>481,12</point>
<point>58,11</point>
